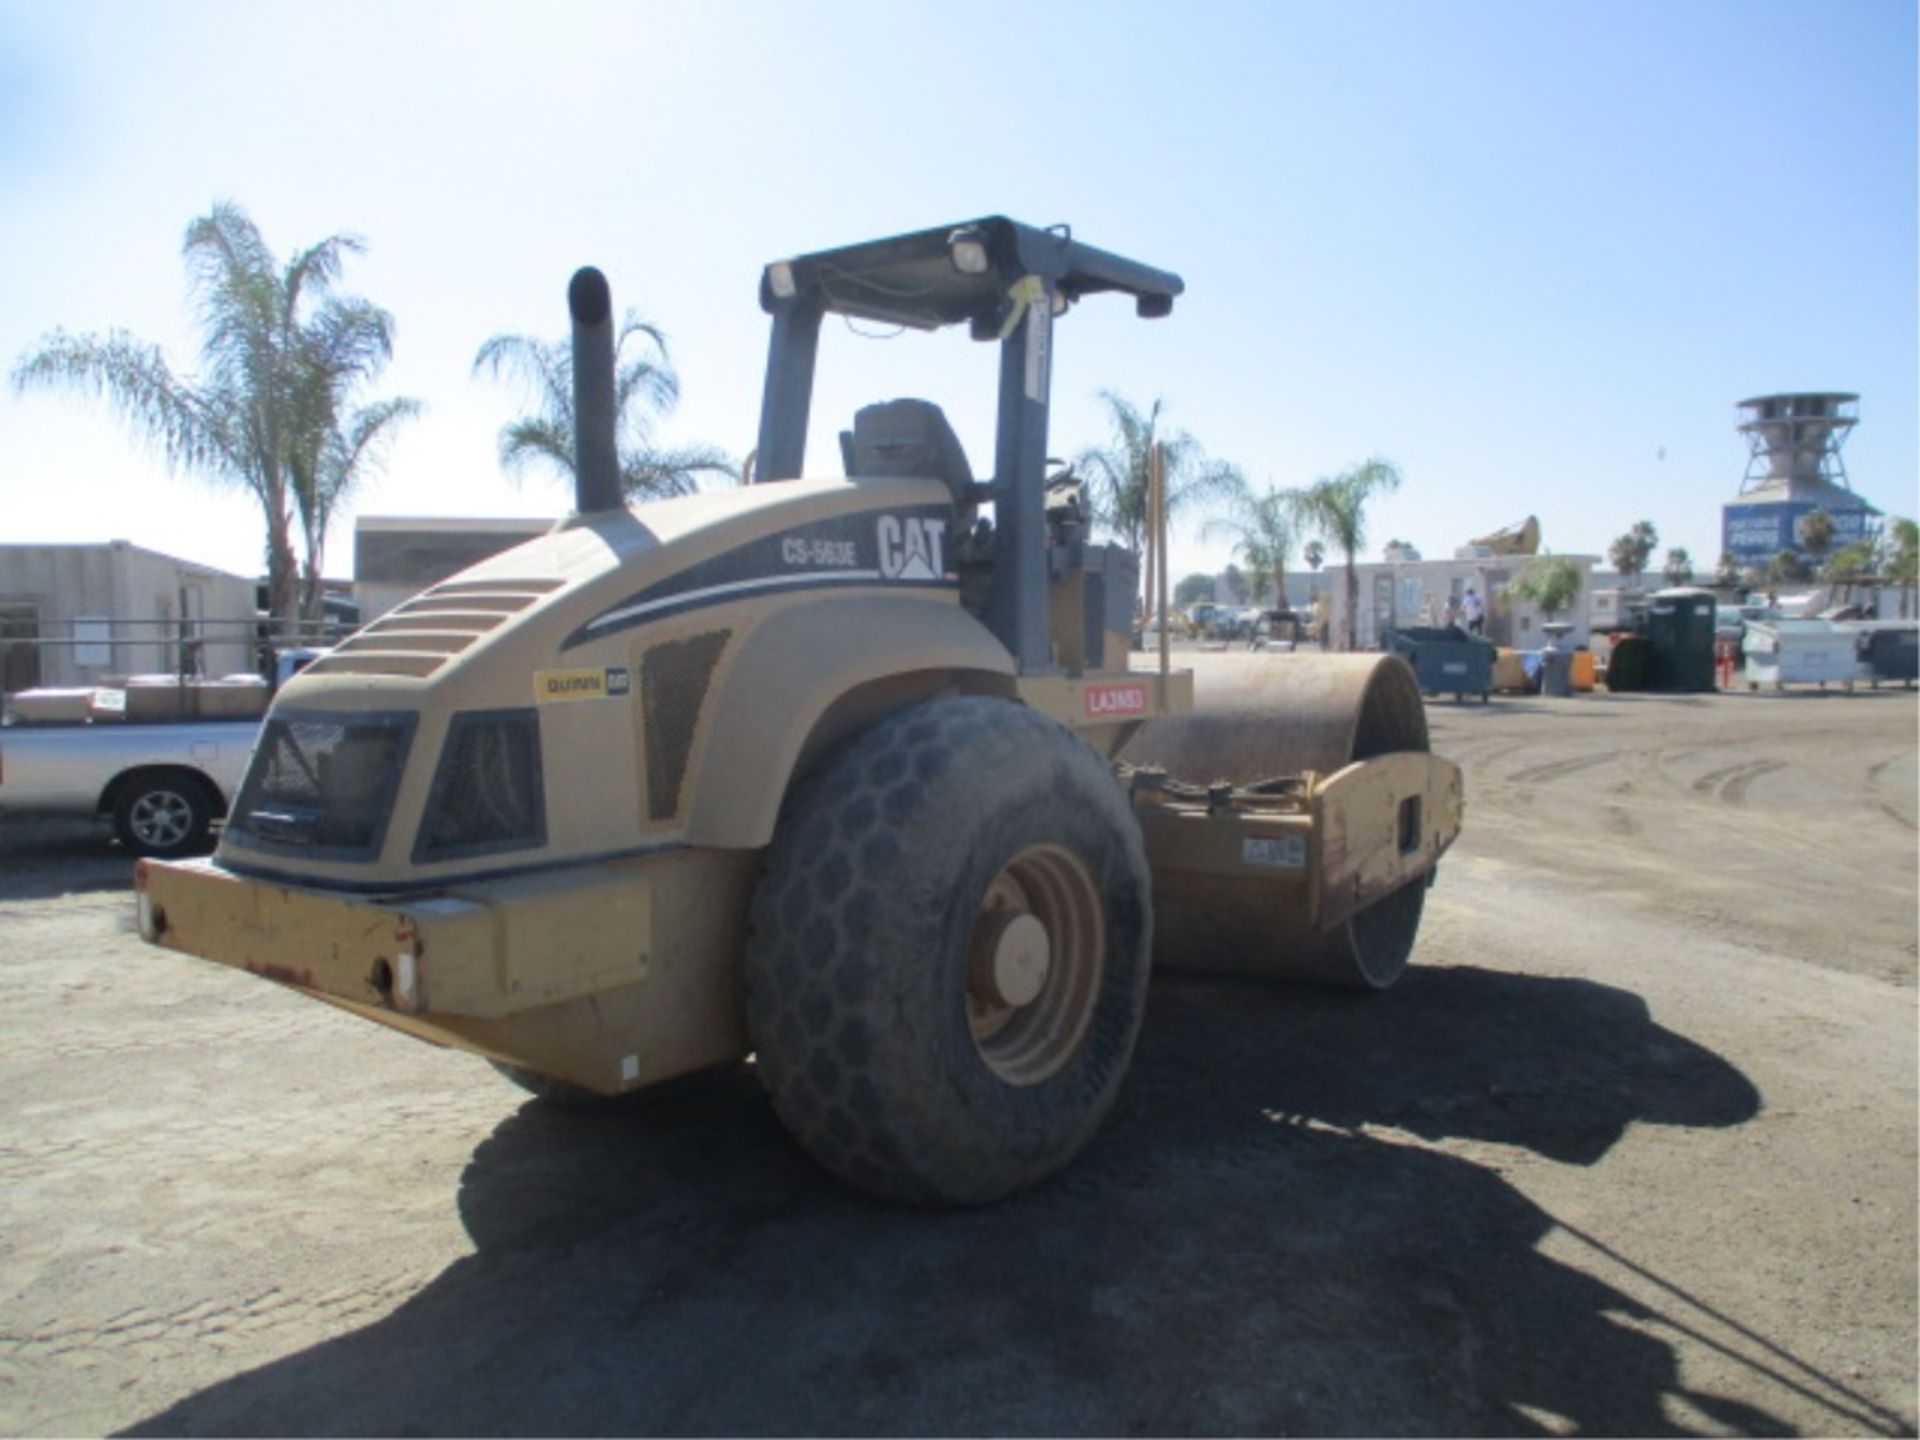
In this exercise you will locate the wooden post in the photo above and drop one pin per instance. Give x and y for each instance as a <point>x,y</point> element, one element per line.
<point>1157,506</point>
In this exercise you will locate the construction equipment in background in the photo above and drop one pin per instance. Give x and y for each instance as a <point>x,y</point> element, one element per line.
<point>830,772</point>
<point>1521,539</point>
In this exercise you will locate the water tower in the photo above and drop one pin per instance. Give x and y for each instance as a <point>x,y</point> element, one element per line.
<point>1793,469</point>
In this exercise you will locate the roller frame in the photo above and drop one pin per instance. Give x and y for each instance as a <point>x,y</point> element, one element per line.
<point>1338,844</point>
<point>1293,818</point>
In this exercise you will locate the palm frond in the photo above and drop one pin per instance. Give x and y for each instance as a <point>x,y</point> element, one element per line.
<point>224,243</point>
<point>1118,472</point>
<point>348,338</point>
<point>543,367</point>
<point>353,453</point>
<point>314,271</point>
<point>661,474</point>
<point>645,388</point>
<point>134,378</point>
<point>535,441</point>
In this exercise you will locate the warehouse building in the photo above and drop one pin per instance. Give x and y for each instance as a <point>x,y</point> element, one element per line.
<point>77,615</point>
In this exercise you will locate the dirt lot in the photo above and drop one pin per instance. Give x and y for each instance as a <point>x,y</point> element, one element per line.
<point>1631,1151</point>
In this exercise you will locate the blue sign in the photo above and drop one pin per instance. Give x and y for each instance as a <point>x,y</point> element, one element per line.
<point>1754,534</point>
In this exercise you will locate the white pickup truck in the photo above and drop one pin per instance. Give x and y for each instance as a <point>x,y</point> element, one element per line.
<point>162,785</point>
<point>162,781</point>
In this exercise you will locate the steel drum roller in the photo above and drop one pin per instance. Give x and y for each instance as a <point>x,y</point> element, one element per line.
<point>1255,718</point>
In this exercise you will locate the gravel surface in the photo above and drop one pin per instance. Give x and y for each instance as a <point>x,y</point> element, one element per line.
<point>1631,1150</point>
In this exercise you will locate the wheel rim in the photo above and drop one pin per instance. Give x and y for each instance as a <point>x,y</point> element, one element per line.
<point>161,819</point>
<point>1035,960</point>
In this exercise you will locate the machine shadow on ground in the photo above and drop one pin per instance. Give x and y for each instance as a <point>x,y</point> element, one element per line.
<point>44,858</point>
<point>1234,1254</point>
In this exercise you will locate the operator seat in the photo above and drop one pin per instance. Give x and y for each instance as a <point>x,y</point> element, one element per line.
<point>908,437</point>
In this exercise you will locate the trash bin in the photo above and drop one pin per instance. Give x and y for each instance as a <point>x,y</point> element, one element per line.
<point>1583,670</point>
<point>1681,625</point>
<point>1445,659</point>
<point>1556,662</point>
<point>1630,664</point>
<point>1510,672</point>
<point>1556,672</point>
<point>1891,650</point>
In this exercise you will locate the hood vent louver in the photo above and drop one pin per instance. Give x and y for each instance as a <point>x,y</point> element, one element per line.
<point>419,636</point>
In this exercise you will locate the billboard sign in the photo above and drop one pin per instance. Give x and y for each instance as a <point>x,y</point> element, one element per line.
<point>1754,534</point>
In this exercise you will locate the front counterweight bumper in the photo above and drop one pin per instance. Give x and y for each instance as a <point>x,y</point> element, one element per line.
<point>558,971</point>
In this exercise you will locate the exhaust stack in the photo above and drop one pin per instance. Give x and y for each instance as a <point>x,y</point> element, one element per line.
<point>596,459</point>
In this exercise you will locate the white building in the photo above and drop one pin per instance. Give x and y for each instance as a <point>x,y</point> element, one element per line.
<point>1395,594</point>
<point>75,615</point>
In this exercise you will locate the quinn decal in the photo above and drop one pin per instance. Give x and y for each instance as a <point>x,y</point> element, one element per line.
<point>1109,700</point>
<point>553,687</point>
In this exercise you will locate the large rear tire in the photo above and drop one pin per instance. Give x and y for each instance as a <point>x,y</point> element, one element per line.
<point>948,953</point>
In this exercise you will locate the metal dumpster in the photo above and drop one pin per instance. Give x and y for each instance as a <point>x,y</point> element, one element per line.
<point>1445,659</point>
<point>1800,652</point>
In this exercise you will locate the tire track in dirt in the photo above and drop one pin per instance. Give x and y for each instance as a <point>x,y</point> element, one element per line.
<point>1731,782</point>
<point>161,1335</point>
<point>1732,818</point>
<point>1559,769</point>
<point>1640,826</point>
<point>1877,787</point>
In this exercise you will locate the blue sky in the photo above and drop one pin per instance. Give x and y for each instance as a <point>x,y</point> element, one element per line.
<point>1532,252</point>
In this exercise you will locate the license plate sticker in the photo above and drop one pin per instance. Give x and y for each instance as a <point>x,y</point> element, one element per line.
<point>1277,852</point>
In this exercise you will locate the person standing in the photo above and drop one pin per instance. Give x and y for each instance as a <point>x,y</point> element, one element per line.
<point>1475,609</point>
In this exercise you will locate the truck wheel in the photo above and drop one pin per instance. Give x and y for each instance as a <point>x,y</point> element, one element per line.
<point>164,814</point>
<point>948,952</point>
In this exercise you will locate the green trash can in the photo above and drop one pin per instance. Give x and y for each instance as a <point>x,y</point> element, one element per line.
<point>1680,626</point>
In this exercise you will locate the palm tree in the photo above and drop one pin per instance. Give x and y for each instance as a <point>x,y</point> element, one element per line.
<point>1117,474</point>
<point>1679,567</point>
<point>1551,582</point>
<point>1853,567</point>
<point>1263,528</point>
<point>645,387</point>
<point>1336,506</point>
<point>1631,551</point>
<point>279,348</point>
<point>1787,568</point>
<point>350,450</point>
<point>1816,535</point>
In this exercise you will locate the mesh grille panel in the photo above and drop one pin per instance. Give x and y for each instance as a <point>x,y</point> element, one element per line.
<point>324,783</point>
<point>673,686</point>
<point>487,792</point>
